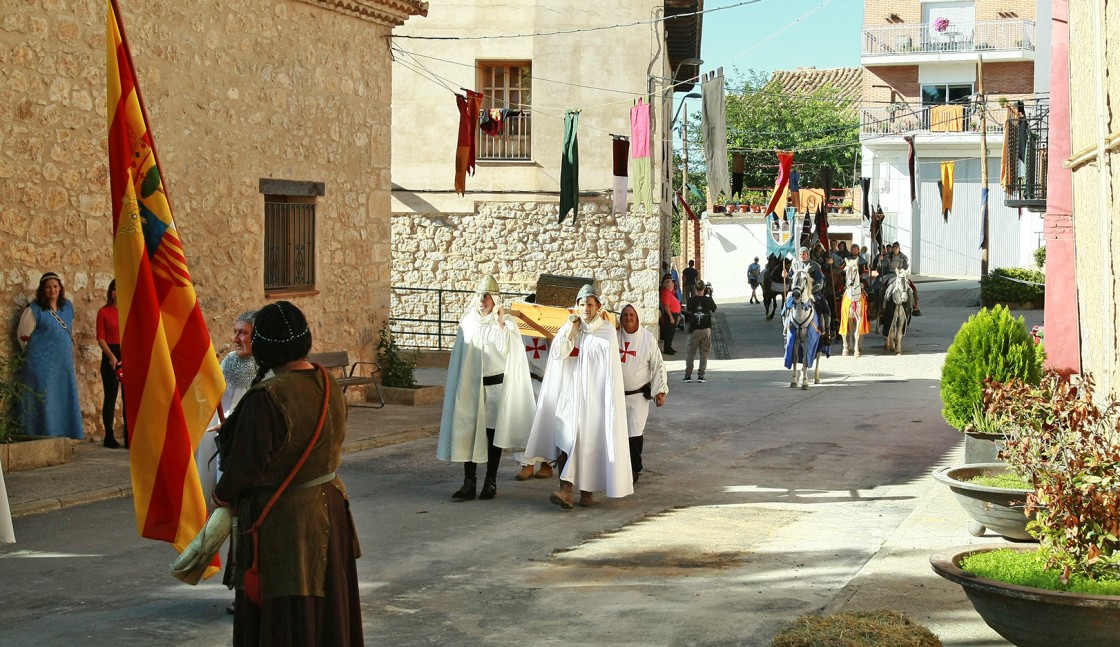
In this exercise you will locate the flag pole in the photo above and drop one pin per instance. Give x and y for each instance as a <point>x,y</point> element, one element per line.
<point>140,100</point>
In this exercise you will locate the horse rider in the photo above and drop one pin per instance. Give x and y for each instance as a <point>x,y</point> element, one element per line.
<point>813,268</point>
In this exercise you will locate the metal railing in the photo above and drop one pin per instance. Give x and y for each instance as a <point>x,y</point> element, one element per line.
<point>429,317</point>
<point>289,245</point>
<point>1027,154</point>
<point>902,39</point>
<point>905,119</point>
<point>514,143</point>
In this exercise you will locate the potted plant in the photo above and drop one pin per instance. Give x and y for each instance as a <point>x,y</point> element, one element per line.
<point>1067,591</point>
<point>990,345</point>
<point>718,203</point>
<point>398,375</point>
<point>847,206</point>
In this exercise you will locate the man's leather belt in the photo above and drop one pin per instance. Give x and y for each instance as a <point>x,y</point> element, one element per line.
<point>646,390</point>
<point>491,380</point>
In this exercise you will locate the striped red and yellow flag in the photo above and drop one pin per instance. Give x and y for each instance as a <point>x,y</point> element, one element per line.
<point>172,380</point>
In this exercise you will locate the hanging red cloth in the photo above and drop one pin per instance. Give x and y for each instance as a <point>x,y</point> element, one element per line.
<point>468,106</point>
<point>785,164</point>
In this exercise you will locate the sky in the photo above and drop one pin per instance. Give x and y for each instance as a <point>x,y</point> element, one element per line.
<point>774,35</point>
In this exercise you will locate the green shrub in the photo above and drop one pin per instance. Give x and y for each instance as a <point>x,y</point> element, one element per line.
<point>996,288</point>
<point>12,390</point>
<point>991,344</point>
<point>1040,258</point>
<point>396,369</point>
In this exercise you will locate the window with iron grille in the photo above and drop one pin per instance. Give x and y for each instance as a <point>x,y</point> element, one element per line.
<point>289,242</point>
<point>505,86</point>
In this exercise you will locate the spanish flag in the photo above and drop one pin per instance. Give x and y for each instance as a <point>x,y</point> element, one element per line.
<point>172,380</point>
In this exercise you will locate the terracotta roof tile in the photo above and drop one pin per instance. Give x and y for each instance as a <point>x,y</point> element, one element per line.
<point>846,82</point>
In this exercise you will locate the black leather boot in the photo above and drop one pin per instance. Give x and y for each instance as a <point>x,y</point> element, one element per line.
<point>465,493</point>
<point>489,489</point>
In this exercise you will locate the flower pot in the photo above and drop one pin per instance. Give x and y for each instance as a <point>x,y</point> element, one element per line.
<point>982,448</point>
<point>418,396</point>
<point>1030,617</point>
<point>744,208</point>
<point>1000,509</point>
<point>718,208</point>
<point>757,208</point>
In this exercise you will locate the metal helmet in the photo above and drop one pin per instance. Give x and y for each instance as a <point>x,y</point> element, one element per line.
<point>487,285</point>
<point>588,290</point>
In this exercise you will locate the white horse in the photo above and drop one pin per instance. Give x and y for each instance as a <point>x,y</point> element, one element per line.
<point>853,310</point>
<point>898,302</point>
<point>800,319</point>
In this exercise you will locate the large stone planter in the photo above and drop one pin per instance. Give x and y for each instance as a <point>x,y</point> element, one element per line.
<point>30,452</point>
<point>1000,509</point>
<point>418,396</point>
<point>1030,617</point>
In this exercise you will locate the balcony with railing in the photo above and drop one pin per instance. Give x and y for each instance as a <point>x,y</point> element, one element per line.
<point>1025,163</point>
<point>513,140</point>
<point>909,120</point>
<point>899,44</point>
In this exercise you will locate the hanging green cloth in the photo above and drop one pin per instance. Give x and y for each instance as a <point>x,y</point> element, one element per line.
<point>569,168</point>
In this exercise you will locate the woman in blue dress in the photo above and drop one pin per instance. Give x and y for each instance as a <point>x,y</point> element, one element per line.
<point>46,331</point>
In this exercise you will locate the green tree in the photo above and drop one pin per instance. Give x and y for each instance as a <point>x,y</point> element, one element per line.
<point>822,130</point>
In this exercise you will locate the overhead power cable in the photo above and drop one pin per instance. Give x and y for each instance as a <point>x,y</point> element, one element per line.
<point>559,32</point>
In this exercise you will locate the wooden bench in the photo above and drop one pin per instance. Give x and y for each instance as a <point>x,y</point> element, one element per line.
<point>341,360</point>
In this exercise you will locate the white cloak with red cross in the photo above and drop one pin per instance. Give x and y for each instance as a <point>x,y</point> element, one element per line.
<point>642,364</point>
<point>582,411</point>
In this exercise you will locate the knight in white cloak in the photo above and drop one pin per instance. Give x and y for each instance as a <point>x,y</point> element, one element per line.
<point>488,403</point>
<point>536,354</point>
<point>581,414</point>
<point>643,379</point>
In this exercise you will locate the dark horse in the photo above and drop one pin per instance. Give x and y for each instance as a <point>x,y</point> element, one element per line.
<point>773,285</point>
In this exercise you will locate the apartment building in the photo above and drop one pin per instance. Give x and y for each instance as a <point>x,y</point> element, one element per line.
<point>922,59</point>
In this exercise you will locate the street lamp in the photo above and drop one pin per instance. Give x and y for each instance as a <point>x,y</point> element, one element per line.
<point>690,95</point>
<point>692,61</point>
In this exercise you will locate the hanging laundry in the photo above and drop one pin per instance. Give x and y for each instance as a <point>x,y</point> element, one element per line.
<point>713,121</point>
<point>684,204</point>
<point>621,156</point>
<point>795,189</point>
<point>738,167</point>
<point>640,154</point>
<point>569,168</point>
<point>910,167</point>
<point>468,106</point>
<point>865,185</point>
<point>778,197</point>
<point>948,169</point>
<point>493,120</point>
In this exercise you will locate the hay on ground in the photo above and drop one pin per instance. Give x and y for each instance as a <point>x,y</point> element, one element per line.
<point>882,628</point>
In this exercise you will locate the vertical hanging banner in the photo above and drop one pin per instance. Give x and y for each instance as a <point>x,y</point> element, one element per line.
<point>713,121</point>
<point>468,106</point>
<point>171,378</point>
<point>781,185</point>
<point>640,154</point>
<point>569,168</point>
<point>780,242</point>
<point>948,170</point>
<point>738,169</point>
<point>621,151</point>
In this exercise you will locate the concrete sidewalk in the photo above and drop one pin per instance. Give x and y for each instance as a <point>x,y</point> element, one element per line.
<point>97,473</point>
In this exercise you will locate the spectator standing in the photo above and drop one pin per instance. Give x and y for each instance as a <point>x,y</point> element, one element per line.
<point>701,309</point>
<point>109,340</point>
<point>45,331</point>
<point>670,314</point>
<point>690,275</point>
<point>754,271</point>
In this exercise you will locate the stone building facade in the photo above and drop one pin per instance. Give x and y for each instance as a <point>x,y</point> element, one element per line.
<point>508,222</point>
<point>237,92</point>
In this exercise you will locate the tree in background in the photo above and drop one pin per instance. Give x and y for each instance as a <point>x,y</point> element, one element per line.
<point>821,129</point>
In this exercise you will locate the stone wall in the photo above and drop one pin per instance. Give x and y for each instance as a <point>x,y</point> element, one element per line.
<point>236,90</point>
<point>517,242</point>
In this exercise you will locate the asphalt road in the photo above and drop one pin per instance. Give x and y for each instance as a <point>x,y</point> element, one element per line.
<point>759,503</point>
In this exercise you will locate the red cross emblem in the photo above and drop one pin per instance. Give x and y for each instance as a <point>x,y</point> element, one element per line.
<point>625,350</point>
<point>535,349</point>
<point>575,352</point>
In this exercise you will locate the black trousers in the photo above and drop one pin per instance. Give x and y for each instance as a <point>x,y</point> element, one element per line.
<point>493,457</point>
<point>667,332</point>
<point>111,385</point>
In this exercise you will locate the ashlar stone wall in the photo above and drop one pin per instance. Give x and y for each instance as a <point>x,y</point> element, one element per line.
<point>517,242</point>
<point>236,90</point>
